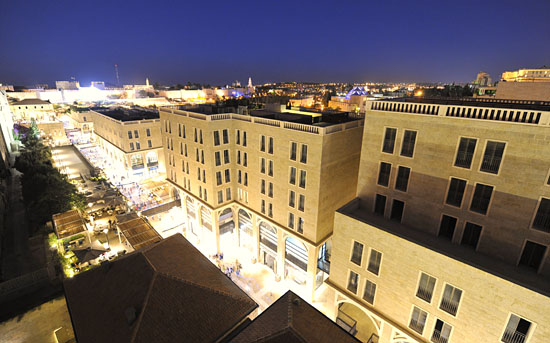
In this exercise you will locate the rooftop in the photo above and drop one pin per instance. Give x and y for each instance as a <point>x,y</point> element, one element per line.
<point>127,114</point>
<point>477,102</point>
<point>137,231</point>
<point>31,102</point>
<point>68,224</point>
<point>168,292</point>
<point>291,319</point>
<point>518,275</point>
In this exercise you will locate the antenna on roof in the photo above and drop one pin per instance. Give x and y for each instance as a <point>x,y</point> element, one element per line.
<point>116,74</point>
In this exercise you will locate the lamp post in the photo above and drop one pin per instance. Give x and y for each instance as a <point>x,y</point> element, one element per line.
<point>106,231</point>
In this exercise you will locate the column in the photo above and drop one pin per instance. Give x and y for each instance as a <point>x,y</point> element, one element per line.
<point>311,270</point>
<point>216,228</point>
<point>280,253</point>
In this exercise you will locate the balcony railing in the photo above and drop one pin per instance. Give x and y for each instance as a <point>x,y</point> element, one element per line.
<point>438,338</point>
<point>491,164</point>
<point>449,306</point>
<point>417,326</point>
<point>424,294</point>
<point>542,222</point>
<point>137,166</point>
<point>513,337</point>
<point>464,159</point>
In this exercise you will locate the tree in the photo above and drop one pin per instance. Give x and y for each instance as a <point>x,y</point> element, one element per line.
<point>33,130</point>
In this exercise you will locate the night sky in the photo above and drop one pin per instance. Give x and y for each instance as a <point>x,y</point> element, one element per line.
<point>218,42</point>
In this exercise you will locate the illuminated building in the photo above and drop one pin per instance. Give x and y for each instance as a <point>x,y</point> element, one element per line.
<point>264,184</point>
<point>67,85</point>
<point>7,141</point>
<point>447,240</point>
<point>36,109</point>
<point>131,139</point>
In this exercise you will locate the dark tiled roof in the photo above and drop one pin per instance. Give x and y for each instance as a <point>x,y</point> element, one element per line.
<point>31,102</point>
<point>291,319</point>
<point>175,292</point>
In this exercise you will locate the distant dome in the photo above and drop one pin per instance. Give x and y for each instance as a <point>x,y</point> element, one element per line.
<point>357,91</point>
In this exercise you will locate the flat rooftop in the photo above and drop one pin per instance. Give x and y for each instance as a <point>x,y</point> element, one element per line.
<point>516,274</point>
<point>126,114</point>
<point>477,102</point>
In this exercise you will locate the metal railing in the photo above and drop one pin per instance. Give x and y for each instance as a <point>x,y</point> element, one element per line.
<point>491,164</point>
<point>513,337</point>
<point>417,326</point>
<point>424,294</point>
<point>449,306</point>
<point>542,222</point>
<point>346,322</point>
<point>438,338</point>
<point>464,159</point>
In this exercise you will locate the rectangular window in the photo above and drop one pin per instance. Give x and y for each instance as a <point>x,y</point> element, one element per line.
<point>302,178</point>
<point>389,140</point>
<point>197,154</point>
<point>370,291</point>
<point>397,210</point>
<point>226,156</point>
<point>300,225</point>
<point>204,176</point>
<point>492,157</point>
<point>218,178</point>
<point>384,174</point>
<point>238,137</point>
<point>456,192</point>
<point>516,330</point>
<point>131,146</point>
<point>196,136</point>
<point>374,261</point>
<point>216,138</point>
<point>136,134</point>
<point>262,186</point>
<point>353,282</point>
<point>481,199</point>
<point>238,157</point>
<point>202,156</point>
<point>471,235</point>
<point>542,218</point>
<point>291,198</point>
<point>447,227</point>
<point>450,300</point>
<point>262,143</point>
<point>225,136</point>
<point>465,153</point>
<point>418,320</point>
<point>292,178</point>
<point>303,155</point>
<point>270,210</point>
<point>130,134</point>
<point>205,195</point>
<point>246,179</point>
<point>293,148</point>
<point>357,253</point>
<point>291,220</point>
<point>263,206</point>
<point>262,165</point>
<point>270,168</point>
<point>425,287</point>
<point>270,190</point>
<point>227,175</point>
<point>380,204</point>
<point>301,202</point>
<point>532,255</point>
<point>402,181</point>
<point>149,144</point>
<point>244,138</point>
<point>239,177</point>
<point>148,131</point>
<point>220,197</point>
<point>270,146</point>
<point>217,156</point>
<point>184,131</point>
<point>245,159</point>
<point>228,194</point>
<point>409,140</point>
<point>138,146</point>
<point>442,332</point>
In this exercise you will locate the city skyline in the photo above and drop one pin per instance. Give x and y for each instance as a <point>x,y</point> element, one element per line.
<point>174,43</point>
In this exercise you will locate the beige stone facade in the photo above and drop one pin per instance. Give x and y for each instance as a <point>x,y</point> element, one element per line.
<point>134,147</point>
<point>474,220</point>
<point>524,90</point>
<point>36,109</point>
<point>242,183</point>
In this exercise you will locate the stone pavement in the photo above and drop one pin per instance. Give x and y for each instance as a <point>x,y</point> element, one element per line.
<point>38,324</point>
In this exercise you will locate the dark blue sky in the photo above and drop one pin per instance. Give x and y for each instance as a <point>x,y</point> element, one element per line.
<point>217,42</point>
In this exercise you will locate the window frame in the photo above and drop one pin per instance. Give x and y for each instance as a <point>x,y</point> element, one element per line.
<point>384,139</point>
<point>449,188</point>
<point>483,156</point>
<point>473,154</point>
<point>459,302</point>
<point>490,199</point>
<point>403,140</point>
<point>353,241</point>
<point>418,285</point>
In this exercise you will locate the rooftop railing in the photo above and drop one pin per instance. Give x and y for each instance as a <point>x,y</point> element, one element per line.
<point>318,130</point>
<point>513,337</point>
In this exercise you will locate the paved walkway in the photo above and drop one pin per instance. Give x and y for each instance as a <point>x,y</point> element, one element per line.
<point>38,324</point>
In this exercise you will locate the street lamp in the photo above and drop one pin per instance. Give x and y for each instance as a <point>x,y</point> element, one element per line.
<point>106,245</point>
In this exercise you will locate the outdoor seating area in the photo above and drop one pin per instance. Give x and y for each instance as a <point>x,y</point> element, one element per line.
<point>136,231</point>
